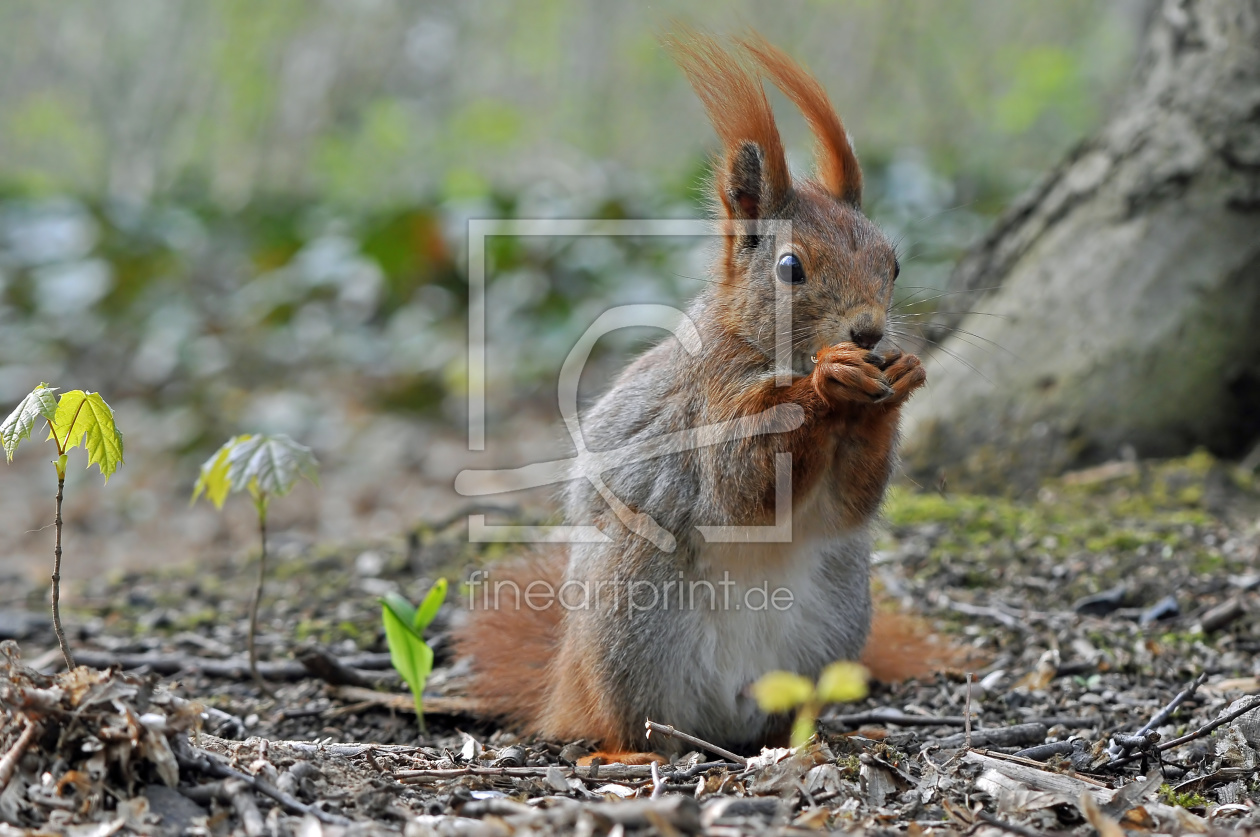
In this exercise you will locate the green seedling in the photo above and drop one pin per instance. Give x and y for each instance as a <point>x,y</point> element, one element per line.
<point>404,631</point>
<point>1189,799</point>
<point>266,467</point>
<point>75,418</point>
<point>782,691</point>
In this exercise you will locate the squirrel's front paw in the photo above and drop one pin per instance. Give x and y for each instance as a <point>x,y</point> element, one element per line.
<point>847,372</point>
<point>904,374</point>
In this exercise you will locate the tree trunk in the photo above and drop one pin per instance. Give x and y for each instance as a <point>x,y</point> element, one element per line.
<point>1128,282</point>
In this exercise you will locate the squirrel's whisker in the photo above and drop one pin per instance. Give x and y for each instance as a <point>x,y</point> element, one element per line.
<point>904,316</point>
<point>957,330</point>
<point>956,357</point>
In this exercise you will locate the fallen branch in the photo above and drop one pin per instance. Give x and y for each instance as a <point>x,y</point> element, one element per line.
<point>667,730</point>
<point>201,761</point>
<point>1020,761</point>
<point>237,794</point>
<point>894,717</point>
<point>1018,735</point>
<point>1222,615</point>
<point>319,663</point>
<point>1121,745</point>
<point>230,669</point>
<point>1254,703</point>
<point>343,750</point>
<point>1044,752</point>
<point>9,763</point>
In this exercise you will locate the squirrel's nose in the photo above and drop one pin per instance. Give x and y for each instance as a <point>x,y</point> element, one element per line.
<point>867,337</point>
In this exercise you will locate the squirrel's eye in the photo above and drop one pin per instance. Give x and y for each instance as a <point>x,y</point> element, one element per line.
<point>896,269</point>
<point>789,270</point>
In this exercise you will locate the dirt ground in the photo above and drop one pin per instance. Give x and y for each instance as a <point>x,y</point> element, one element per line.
<point>1110,596</point>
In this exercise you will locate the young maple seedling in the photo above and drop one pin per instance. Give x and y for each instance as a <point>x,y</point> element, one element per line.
<point>267,467</point>
<point>74,418</point>
<point>404,631</point>
<point>783,691</point>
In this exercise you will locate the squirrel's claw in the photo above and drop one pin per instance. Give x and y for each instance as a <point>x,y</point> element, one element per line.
<point>890,356</point>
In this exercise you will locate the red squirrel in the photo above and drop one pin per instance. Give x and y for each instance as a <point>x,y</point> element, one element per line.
<point>597,670</point>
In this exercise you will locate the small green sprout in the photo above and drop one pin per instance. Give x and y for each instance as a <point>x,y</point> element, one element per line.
<point>266,467</point>
<point>782,691</point>
<point>404,631</point>
<point>1189,799</point>
<point>75,418</point>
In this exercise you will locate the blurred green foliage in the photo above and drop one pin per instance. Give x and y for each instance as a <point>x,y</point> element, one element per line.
<point>232,202</point>
<point>376,102</point>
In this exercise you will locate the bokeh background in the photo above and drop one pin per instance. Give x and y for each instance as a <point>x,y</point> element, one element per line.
<point>234,216</point>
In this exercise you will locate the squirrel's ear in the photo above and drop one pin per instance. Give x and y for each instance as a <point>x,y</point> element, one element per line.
<point>753,175</point>
<point>838,167</point>
<point>741,185</point>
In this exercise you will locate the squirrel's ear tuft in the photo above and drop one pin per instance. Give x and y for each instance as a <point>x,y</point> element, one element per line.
<point>743,192</point>
<point>837,164</point>
<point>753,175</point>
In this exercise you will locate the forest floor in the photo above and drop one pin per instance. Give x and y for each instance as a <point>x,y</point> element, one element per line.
<point>1096,603</point>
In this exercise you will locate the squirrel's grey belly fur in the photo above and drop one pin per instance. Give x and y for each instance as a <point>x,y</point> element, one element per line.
<point>672,650</point>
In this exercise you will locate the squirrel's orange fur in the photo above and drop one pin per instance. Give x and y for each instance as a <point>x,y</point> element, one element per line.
<point>838,167</point>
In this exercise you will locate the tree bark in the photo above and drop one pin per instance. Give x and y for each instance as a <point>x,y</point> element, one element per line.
<point>1127,296</point>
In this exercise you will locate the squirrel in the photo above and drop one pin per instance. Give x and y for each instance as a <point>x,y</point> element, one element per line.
<point>598,669</point>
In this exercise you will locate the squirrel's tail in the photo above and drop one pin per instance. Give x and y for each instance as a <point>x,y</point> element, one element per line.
<point>509,644</point>
<point>902,646</point>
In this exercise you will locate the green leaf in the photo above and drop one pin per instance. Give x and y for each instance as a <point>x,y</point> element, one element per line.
<point>412,658</point>
<point>842,683</point>
<point>265,466</point>
<point>213,479</point>
<point>780,691</point>
<point>429,607</point>
<point>273,464</point>
<point>84,418</point>
<point>403,609</point>
<point>40,403</point>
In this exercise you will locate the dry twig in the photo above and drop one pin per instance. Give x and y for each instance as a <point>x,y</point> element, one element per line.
<point>194,758</point>
<point>237,794</point>
<point>1254,703</point>
<point>666,729</point>
<point>1043,752</point>
<point>884,715</point>
<point>229,669</point>
<point>1121,745</point>
<point>1016,735</point>
<point>10,761</point>
<point>967,716</point>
